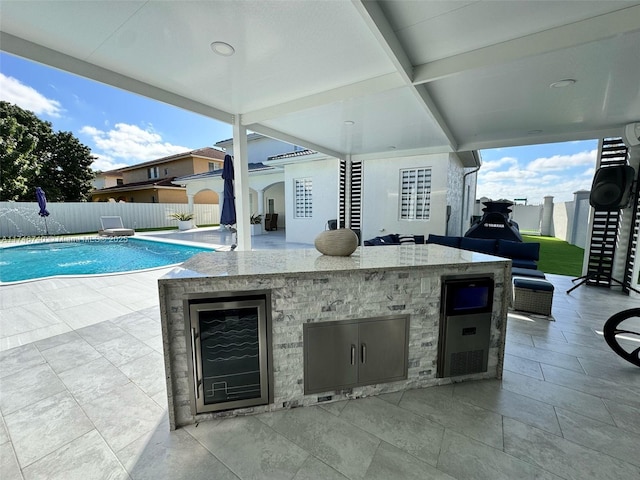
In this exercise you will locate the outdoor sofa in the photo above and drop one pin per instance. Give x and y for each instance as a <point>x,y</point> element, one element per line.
<point>522,255</point>
<point>531,291</point>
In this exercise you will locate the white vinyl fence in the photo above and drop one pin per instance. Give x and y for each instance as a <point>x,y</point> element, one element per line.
<point>568,221</point>
<point>19,219</point>
<point>528,217</point>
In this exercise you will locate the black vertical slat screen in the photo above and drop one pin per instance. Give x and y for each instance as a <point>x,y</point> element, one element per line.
<point>342,208</point>
<point>632,249</point>
<point>604,235</point>
<point>356,195</point>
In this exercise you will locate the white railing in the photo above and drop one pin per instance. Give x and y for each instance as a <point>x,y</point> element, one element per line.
<point>22,219</point>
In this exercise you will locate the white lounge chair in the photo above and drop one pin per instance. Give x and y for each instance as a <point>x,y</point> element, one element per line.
<point>113,227</point>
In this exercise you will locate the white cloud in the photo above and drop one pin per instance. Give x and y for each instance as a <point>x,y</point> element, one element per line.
<point>130,143</point>
<point>558,176</point>
<point>105,163</point>
<point>514,173</point>
<point>564,162</point>
<point>28,98</point>
<point>550,178</point>
<point>495,164</point>
<point>533,188</point>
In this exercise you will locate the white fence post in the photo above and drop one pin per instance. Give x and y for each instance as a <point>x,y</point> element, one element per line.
<point>568,221</point>
<point>546,228</point>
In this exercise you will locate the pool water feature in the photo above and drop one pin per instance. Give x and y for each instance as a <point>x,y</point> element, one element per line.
<point>89,256</point>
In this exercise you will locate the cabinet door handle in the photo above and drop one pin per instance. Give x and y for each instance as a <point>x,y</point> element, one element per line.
<point>353,354</point>
<point>363,352</point>
<point>196,376</point>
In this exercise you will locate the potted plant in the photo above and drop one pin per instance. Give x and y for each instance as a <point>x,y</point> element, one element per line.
<point>185,220</point>
<point>256,224</point>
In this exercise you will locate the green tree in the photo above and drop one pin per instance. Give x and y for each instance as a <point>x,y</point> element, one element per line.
<point>18,160</point>
<point>67,171</point>
<point>33,155</point>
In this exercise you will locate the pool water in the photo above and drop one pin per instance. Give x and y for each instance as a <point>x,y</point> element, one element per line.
<point>89,256</point>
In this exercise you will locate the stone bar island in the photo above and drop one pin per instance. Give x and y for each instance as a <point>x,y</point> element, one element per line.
<point>253,331</point>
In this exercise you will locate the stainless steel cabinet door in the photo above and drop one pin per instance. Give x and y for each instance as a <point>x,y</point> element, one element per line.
<point>382,350</point>
<point>331,356</point>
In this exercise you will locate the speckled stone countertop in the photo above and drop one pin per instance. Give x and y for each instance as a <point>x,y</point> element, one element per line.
<point>278,262</point>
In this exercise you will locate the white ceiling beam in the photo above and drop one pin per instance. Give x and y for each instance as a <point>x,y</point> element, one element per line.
<point>568,136</point>
<point>567,36</point>
<point>41,54</point>
<point>273,133</point>
<point>366,87</point>
<point>381,29</point>
<point>423,94</point>
<point>412,152</point>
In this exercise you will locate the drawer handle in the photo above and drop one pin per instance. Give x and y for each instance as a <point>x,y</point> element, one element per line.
<point>363,352</point>
<point>353,354</point>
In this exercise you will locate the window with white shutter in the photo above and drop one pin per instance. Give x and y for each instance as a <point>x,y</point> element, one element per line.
<point>303,191</point>
<point>415,194</point>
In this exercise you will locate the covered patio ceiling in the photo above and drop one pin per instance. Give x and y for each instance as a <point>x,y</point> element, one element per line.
<point>358,78</point>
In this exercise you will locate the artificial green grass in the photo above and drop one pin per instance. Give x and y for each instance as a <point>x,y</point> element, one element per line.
<point>558,256</point>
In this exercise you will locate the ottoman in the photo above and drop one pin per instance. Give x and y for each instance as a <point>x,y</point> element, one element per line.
<point>532,295</point>
<point>526,272</point>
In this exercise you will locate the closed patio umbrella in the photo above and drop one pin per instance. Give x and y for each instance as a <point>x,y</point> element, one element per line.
<point>42,203</point>
<point>228,214</point>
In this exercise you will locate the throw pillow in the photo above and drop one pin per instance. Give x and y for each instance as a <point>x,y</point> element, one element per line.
<point>406,239</point>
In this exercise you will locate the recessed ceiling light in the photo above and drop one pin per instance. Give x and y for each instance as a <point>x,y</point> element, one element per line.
<point>563,83</point>
<point>222,48</point>
<point>534,132</point>
<point>349,122</point>
<point>392,147</point>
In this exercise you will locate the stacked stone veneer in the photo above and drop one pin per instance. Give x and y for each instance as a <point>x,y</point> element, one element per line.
<point>299,298</point>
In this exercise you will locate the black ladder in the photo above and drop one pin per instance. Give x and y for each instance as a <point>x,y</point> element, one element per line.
<point>606,225</point>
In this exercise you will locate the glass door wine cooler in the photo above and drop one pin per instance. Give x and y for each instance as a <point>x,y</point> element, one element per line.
<point>229,354</point>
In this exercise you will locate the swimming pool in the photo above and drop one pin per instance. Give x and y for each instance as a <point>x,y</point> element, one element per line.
<point>89,256</point>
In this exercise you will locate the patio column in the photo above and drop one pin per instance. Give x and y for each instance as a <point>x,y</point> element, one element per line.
<point>190,201</point>
<point>546,229</point>
<point>578,234</point>
<point>260,202</point>
<point>241,184</point>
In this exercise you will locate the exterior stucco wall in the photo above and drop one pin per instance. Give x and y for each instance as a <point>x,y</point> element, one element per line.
<point>173,168</point>
<point>106,181</point>
<point>324,175</point>
<point>381,184</point>
<point>171,196</point>
<point>146,195</point>
<point>276,193</point>
<point>206,197</point>
<point>201,165</point>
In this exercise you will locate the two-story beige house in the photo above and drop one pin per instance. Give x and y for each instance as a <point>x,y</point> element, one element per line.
<point>151,182</point>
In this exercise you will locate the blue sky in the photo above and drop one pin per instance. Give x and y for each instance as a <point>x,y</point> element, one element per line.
<point>122,128</point>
